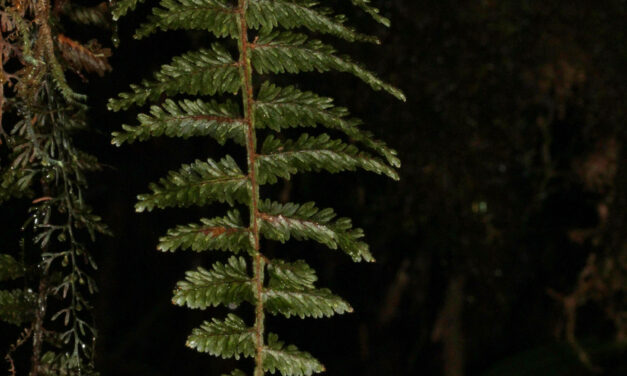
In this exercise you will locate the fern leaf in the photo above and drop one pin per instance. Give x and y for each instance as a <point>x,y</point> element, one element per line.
<point>216,16</point>
<point>278,108</point>
<point>288,360</point>
<point>186,119</point>
<point>295,274</point>
<point>223,284</point>
<point>227,339</point>
<point>122,7</point>
<point>203,72</point>
<point>291,291</point>
<point>267,14</point>
<point>372,11</point>
<point>286,52</point>
<point>282,221</point>
<point>198,183</point>
<point>225,234</point>
<point>10,268</point>
<point>17,306</point>
<point>284,158</point>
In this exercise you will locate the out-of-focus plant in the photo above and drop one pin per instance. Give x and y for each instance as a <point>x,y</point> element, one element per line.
<point>48,276</point>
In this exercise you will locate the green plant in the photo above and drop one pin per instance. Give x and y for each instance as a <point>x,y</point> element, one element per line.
<point>275,286</point>
<point>49,278</point>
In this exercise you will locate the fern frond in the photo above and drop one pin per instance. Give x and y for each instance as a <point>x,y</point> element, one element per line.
<point>186,119</point>
<point>287,52</point>
<point>223,284</point>
<point>198,183</point>
<point>288,360</point>
<point>122,7</point>
<point>203,72</point>
<point>291,291</point>
<point>315,303</point>
<point>216,16</point>
<point>230,338</point>
<point>10,268</point>
<point>225,234</point>
<point>288,107</point>
<point>372,11</point>
<point>282,221</point>
<point>268,14</point>
<point>284,158</point>
<point>17,306</point>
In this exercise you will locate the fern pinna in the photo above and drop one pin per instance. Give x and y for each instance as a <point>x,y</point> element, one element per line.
<point>258,28</point>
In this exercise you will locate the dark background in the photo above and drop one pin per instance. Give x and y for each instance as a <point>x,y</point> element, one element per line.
<point>512,143</point>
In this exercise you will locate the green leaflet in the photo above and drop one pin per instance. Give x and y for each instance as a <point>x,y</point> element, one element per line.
<point>216,16</point>
<point>372,11</point>
<point>10,268</point>
<point>202,72</point>
<point>268,14</point>
<point>288,107</point>
<point>186,119</point>
<point>223,284</point>
<point>230,338</point>
<point>285,158</point>
<point>122,7</point>
<point>291,291</point>
<point>287,52</point>
<point>17,306</point>
<point>288,360</point>
<point>282,221</point>
<point>198,183</point>
<point>225,234</point>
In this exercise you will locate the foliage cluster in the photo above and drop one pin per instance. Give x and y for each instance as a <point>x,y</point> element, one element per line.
<point>48,275</point>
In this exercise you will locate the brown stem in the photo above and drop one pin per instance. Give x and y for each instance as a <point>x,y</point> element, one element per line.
<point>248,100</point>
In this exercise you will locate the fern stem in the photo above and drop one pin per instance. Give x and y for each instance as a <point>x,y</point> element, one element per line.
<point>251,146</point>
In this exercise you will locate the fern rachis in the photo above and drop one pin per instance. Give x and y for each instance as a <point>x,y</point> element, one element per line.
<point>270,285</point>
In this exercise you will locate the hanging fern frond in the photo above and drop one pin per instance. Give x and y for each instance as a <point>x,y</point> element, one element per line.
<point>198,183</point>
<point>267,44</point>
<point>186,119</point>
<point>225,234</point>
<point>204,72</point>
<point>224,284</point>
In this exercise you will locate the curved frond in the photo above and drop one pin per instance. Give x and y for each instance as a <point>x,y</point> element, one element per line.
<point>216,16</point>
<point>202,72</point>
<point>268,14</point>
<point>286,52</point>
<point>225,234</point>
<point>282,221</point>
<point>223,284</point>
<point>307,153</point>
<point>230,338</point>
<point>288,107</point>
<point>185,119</point>
<point>288,360</point>
<point>198,183</point>
<point>291,291</point>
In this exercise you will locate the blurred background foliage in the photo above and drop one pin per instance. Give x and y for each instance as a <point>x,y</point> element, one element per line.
<point>502,250</point>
